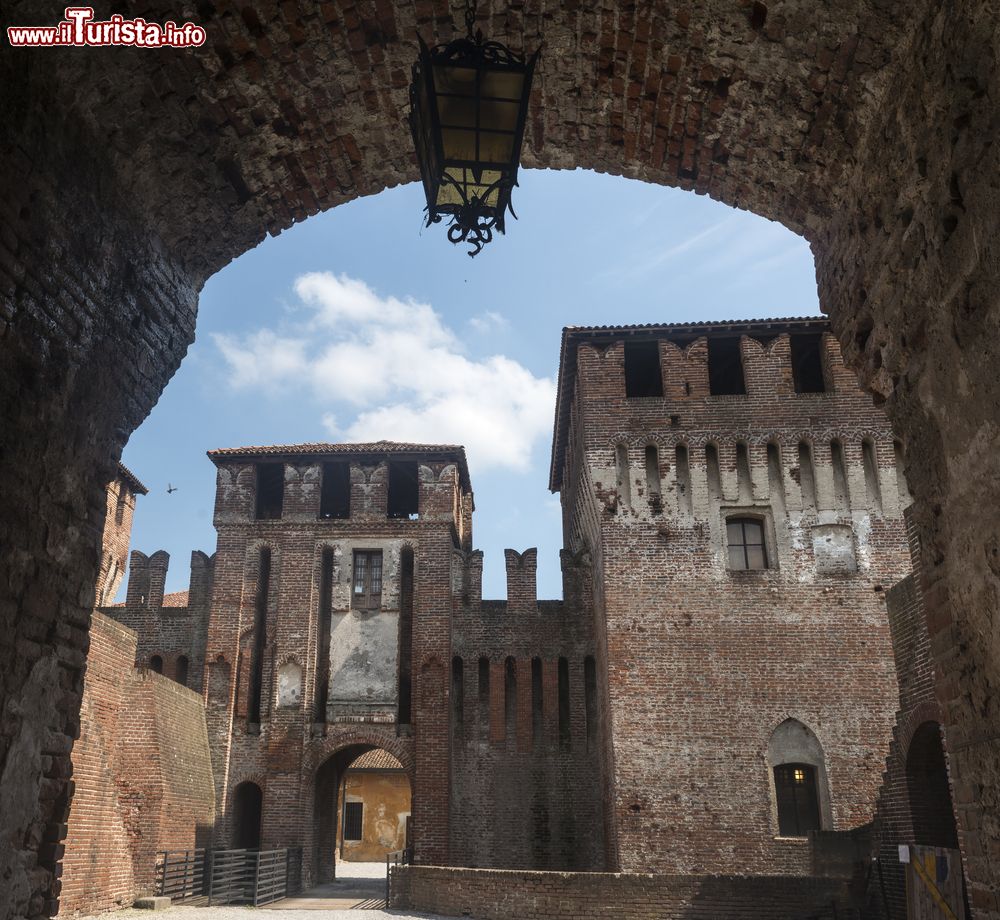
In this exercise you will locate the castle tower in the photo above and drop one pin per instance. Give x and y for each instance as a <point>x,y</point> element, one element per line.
<point>329,633</point>
<point>739,499</point>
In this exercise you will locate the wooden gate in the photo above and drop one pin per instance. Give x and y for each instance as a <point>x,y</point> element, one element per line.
<point>934,889</point>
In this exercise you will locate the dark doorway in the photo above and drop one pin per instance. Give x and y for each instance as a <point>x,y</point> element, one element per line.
<point>248,803</point>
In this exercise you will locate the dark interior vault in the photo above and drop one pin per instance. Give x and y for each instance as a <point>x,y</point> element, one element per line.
<point>130,176</point>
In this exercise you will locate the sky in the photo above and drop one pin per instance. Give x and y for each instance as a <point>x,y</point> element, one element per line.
<point>360,324</point>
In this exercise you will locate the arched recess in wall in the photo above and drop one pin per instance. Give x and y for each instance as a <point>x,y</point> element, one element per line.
<point>932,815</point>
<point>219,232</point>
<point>405,639</point>
<point>248,810</point>
<point>800,788</point>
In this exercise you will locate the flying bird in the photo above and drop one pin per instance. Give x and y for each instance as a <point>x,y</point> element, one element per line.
<point>171,488</point>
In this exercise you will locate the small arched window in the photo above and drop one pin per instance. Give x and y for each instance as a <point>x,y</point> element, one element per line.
<point>801,788</point>
<point>182,670</point>
<point>156,664</point>
<point>745,539</point>
<point>798,799</point>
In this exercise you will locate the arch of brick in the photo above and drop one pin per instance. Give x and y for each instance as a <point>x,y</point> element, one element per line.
<point>130,176</point>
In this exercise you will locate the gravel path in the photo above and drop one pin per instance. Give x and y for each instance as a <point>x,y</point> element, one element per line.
<point>364,878</point>
<point>250,913</point>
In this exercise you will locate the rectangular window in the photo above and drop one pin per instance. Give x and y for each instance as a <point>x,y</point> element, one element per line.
<point>798,804</point>
<point>725,367</point>
<point>335,494</point>
<point>745,537</point>
<point>270,490</point>
<point>353,820</point>
<point>642,369</point>
<point>807,363</point>
<point>404,490</point>
<point>367,582</point>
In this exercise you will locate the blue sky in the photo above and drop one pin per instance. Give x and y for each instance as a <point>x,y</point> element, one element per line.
<point>359,324</point>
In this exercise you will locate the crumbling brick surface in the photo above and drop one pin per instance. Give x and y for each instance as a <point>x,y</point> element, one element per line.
<point>142,777</point>
<point>703,662</point>
<point>511,895</point>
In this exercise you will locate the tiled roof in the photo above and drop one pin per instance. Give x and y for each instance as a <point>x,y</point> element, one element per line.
<point>680,332</point>
<point>133,480</point>
<point>454,452</point>
<point>376,760</point>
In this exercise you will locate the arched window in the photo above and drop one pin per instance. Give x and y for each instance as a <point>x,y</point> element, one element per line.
<point>745,539</point>
<point>798,772</point>
<point>797,798</point>
<point>156,664</point>
<point>182,670</point>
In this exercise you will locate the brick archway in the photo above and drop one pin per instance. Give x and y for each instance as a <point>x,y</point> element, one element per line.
<point>324,770</point>
<point>131,176</point>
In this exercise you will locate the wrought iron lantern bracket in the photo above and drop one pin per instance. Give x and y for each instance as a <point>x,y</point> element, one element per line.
<point>468,106</point>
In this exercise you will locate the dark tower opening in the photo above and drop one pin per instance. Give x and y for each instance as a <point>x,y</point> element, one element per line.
<point>642,369</point>
<point>270,491</point>
<point>404,489</point>
<point>725,367</point>
<point>335,494</point>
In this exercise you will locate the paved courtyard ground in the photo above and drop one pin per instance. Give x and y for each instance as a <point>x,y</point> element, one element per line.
<point>358,894</point>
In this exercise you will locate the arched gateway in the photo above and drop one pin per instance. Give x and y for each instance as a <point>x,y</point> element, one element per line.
<point>131,176</point>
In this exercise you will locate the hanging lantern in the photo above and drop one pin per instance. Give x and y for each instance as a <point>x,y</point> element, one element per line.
<point>468,104</point>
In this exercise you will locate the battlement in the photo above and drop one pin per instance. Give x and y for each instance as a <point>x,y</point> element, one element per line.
<point>172,628</point>
<point>703,376</point>
<point>341,484</point>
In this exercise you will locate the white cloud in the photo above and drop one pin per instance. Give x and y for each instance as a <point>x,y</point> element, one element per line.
<point>488,321</point>
<point>262,358</point>
<point>394,370</point>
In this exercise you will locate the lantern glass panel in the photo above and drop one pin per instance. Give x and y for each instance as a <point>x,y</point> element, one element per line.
<point>499,115</point>
<point>496,147</point>
<point>457,111</point>
<point>450,80</point>
<point>503,84</point>
<point>458,144</point>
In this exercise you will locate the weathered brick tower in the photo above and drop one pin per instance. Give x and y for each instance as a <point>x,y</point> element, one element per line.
<point>329,632</point>
<point>738,500</point>
<point>716,685</point>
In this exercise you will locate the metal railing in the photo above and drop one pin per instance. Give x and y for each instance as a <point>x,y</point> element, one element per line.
<point>180,874</point>
<point>396,858</point>
<point>253,877</point>
<point>271,877</point>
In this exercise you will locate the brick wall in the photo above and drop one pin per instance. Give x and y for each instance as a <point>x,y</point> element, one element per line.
<point>514,895</point>
<point>525,782</point>
<point>141,772</point>
<point>703,662</point>
<point>912,808</point>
